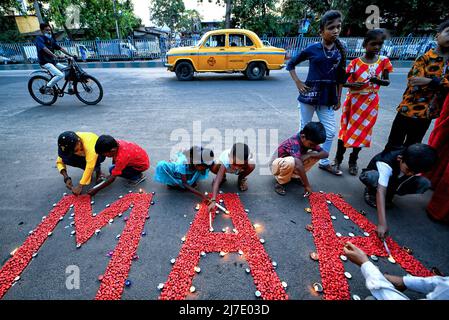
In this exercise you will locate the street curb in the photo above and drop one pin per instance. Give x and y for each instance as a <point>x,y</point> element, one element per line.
<point>145,64</point>
<point>88,65</point>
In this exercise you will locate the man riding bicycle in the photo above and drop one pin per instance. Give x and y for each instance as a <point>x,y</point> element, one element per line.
<point>46,46</point>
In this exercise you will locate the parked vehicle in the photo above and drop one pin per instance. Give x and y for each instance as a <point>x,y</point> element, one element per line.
<point>115,50</point>
<point>226,50</point>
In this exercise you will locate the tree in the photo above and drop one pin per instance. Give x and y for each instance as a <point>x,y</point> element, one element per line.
<point>97,17</point>
<point>260,16</point>
<point>190,21</point>
<point>401,17</point>
<point>167,13</point>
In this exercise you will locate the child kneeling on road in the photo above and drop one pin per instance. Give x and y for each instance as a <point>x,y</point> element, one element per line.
<point>297,155</point>
<point>396,172</point>
<point>129,161</point>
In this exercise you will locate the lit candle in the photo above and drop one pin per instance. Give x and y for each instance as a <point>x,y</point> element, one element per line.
<point>317,287</point>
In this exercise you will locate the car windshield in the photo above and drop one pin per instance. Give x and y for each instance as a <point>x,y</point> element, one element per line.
<point>203,38</point>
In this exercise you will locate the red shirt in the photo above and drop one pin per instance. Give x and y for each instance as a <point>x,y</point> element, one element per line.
<point>130,154</point>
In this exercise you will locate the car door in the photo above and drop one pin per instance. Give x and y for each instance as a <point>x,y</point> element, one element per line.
<point>212,53</point>
<point>241,50</point>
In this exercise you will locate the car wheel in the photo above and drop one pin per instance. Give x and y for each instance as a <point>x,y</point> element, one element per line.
<point>184,71</point>
<point>255,71</point>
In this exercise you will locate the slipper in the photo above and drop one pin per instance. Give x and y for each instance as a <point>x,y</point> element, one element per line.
<point>331,169</point>
<point>370,199</point>
<point>280,189</point>
<point>243,185</point>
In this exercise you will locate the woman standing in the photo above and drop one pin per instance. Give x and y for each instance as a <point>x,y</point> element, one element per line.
<point>438,207</point>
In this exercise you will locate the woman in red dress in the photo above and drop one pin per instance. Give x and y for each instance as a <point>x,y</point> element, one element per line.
<point>438,207</point>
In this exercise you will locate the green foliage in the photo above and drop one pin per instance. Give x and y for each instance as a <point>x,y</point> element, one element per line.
<point>168,13</point>
<point>190,21</point>
<point>259,16</point>
<point>401,17</point>
<point>97,17</point>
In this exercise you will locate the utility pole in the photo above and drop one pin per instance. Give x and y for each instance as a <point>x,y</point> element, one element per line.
<point>116,21</point>
<point>228,14</point>
<point>37,9</point>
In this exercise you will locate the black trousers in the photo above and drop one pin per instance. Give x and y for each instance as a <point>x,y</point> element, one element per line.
<point>406,131</point>
<point>341,149</point>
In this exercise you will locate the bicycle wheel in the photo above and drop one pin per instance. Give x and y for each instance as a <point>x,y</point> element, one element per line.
<point>36,88</point>
<point>89,90</point>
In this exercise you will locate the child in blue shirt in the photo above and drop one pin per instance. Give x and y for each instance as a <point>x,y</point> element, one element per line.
<point>190,167</point>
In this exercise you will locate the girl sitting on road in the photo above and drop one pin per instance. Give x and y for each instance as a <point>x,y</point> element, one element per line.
<point>189,167</point>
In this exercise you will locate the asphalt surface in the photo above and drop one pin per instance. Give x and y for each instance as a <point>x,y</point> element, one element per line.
<point>152,108</point>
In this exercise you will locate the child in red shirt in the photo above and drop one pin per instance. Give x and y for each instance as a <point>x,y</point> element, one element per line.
<point>129,161</point>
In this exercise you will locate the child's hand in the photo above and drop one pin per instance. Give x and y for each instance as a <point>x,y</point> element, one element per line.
<point>302,87</point>
<point>337,106</point>
<point>357,85</point>
<point>354,254</point>
<point>308,190</point>
<point>419,81</point>
<point>212,204</point>
<point>69,184</point>
<point>77,190</point>
<point>382,231</point>
<point>374,80</point>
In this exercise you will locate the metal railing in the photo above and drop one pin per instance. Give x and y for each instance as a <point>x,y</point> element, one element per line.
<point>400,48</point>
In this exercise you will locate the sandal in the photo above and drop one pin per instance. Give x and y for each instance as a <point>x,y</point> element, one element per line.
<point>280,189</point>
<point>353,169</point>
<point>334,169</point>
<point>243,185</point>
<point>370,199</point>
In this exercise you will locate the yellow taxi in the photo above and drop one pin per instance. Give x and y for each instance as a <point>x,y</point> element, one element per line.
<point>228,51</point>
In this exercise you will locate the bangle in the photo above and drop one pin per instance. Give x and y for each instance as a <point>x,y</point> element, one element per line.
<point>66,179</point>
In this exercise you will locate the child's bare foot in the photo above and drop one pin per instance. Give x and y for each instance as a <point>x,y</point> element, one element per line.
<point>242,184</point>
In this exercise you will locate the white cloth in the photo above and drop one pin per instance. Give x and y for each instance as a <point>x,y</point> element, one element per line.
<point>435,288</point>
<point>385,172</point>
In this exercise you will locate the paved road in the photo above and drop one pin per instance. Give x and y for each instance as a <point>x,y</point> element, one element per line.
<point>150,107</point>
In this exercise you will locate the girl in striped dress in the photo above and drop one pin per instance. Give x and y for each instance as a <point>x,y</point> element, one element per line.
<point>365,76</point>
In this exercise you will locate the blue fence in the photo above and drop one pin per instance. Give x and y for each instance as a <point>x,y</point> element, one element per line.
<point>398,48</point>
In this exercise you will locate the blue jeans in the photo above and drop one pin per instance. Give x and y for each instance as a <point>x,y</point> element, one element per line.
<point>128,173</point>
<point>326,115</point>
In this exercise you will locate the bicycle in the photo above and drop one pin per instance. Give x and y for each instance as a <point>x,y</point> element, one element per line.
<point>86,87</point>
